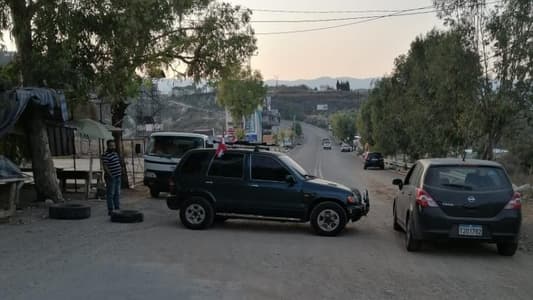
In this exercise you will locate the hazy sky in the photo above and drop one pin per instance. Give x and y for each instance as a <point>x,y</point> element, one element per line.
<point>362,50</point>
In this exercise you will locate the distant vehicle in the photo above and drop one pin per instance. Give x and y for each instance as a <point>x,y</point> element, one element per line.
<point>346,148</point>
<point>210,132</point>
<point>326,146</point>
<point>326,140</point>
<point>374,160</point>
<point>257,184</point>
<point>163,153</point>
<point>456,199</point>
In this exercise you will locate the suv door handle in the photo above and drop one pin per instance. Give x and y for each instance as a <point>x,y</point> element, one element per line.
<point>254,185</point>
<point>209,182</point>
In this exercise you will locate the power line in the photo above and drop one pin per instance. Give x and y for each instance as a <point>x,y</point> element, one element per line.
<point>337,26</point>
<point>331,11</point>
<point>404,12</point>
<point>338,19</point>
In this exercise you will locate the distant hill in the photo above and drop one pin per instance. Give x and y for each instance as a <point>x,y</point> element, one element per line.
<point>355,83</point>
<point>165,85</point>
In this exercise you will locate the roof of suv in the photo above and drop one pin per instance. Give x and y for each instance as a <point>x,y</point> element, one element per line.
<point>456,161</point>
<point>237,150</point>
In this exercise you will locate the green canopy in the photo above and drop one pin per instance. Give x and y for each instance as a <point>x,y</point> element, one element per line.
<point>92,129</point>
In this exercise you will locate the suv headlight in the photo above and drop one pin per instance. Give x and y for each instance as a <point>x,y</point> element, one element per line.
<point>150,175</point>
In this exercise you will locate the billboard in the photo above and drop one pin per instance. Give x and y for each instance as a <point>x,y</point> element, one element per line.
<point>322,107</point>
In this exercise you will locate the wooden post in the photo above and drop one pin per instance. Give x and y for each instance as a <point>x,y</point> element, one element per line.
<point>90,181</point>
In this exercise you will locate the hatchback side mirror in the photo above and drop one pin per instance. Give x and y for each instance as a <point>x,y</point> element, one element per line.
<point>398,182</point>
<point>290,180</point>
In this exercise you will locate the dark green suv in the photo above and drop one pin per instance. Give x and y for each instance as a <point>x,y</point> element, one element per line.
<point>256,184</point>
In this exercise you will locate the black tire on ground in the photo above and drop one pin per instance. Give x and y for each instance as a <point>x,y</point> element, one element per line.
<point>154,193</point>
<point>328,212</point>
<point>396,226</point>
<point>69,211</point>
<point>411,244</point>
<point>197,213</point>
<point>382,167</point>
<point>507,249</point>
<point>127,216</point>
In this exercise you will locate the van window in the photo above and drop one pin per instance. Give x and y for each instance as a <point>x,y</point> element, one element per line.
<point>468,177</point>
<point>173,146</point>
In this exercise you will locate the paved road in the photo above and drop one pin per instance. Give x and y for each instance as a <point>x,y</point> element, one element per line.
<point>159,259</point>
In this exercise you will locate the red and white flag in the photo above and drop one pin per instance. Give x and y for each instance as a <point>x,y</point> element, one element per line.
<point>221,148</point>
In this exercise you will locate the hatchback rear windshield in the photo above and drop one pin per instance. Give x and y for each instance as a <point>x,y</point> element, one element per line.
<point>467,177</point>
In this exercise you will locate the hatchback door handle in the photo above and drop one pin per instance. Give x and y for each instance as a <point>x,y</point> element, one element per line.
<point>209,182</point>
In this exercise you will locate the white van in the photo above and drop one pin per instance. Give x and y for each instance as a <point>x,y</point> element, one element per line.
<point>163,153</point>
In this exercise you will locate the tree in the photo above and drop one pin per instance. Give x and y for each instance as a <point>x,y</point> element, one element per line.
<point>424,107</point>
<point>82,46</point>
<point>241,92</point>
<point>502,39</point>
<point>298,129</point>
<point>344,125</point>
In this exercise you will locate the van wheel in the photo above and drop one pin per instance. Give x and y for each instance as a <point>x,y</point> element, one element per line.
<point>197,213</point>
<point>328,218</point>
<point>507,249</point>
<point>154,193</point>
<point>411,244</point>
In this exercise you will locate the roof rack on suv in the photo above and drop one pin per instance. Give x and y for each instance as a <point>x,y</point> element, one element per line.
<point>248,145</point>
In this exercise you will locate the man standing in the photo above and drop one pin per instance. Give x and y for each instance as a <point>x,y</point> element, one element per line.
<point>113,173</point>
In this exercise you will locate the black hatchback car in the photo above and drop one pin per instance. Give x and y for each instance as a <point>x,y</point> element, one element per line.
<point>374,160</point>
<point>253,184</point>
<point>455,199</point>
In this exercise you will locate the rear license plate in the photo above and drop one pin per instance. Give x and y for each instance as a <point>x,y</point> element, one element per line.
<point>471,230</point>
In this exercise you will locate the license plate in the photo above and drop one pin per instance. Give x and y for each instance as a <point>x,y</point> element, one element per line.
<point>471,230</point>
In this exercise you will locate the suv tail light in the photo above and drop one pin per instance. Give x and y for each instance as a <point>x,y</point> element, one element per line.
<point>423,199</point>
<point>171,185</point>
<point>350,200</point>
<point>515,203</point>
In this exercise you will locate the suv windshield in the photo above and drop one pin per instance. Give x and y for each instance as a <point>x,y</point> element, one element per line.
<point>294,166</point>
<point>467,177</point>
<point>173,146</point>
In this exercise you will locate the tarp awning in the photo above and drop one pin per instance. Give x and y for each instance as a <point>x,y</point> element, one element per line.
<point>91,129</point>
<point>14,102</point>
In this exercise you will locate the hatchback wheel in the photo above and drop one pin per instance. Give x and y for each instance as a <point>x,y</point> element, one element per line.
<point>197,213</point>
<point>411,243</point>
<point>328,218</point>
<point>507,249</point>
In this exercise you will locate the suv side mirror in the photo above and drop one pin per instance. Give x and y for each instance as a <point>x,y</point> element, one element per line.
<point>290,180</point>
<point>398,182</point>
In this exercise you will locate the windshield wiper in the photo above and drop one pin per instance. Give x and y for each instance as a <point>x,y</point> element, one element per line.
<point>307,176</point>
<point>461,186</point>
